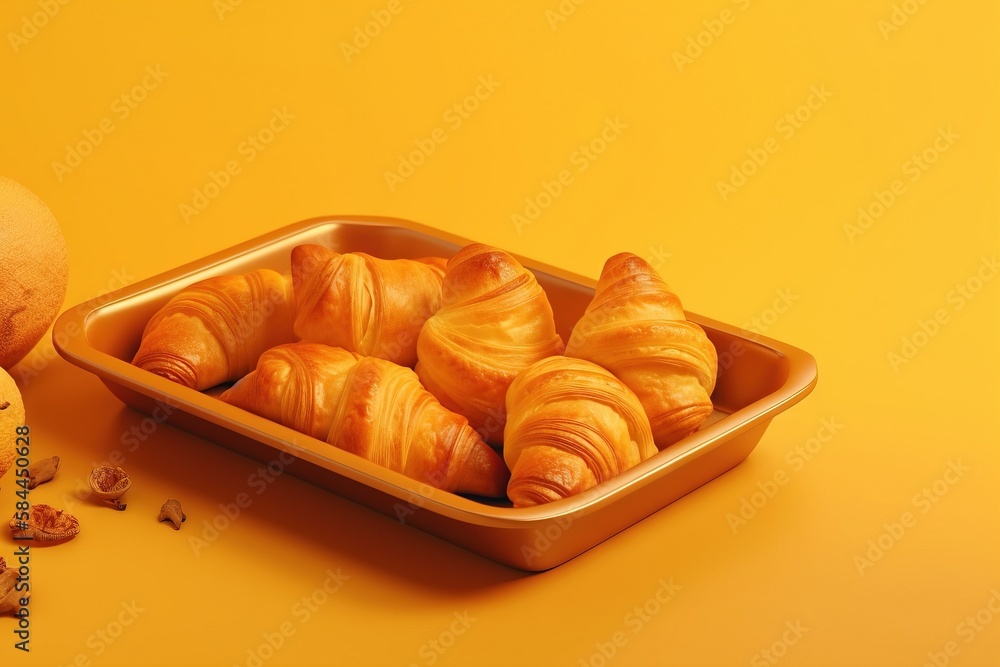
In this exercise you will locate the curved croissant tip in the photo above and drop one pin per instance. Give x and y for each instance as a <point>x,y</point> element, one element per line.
<point>672,427</point>
<point>173,369</point>
<point>529,494</point>
<point>477,248</point>
<point>482,252</point>
<point>484,473</point>
<point>478,263</point>
<point>309,249</point>
<point>308,255</point>
<point>628,262</point>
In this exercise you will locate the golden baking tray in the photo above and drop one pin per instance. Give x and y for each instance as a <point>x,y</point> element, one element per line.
<point>758,378</point>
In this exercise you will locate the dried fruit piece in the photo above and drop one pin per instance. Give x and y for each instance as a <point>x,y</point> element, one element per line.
<point>110,484</point>
<point>44,524</point>
<point>172,512</point>
<point>42,471</point>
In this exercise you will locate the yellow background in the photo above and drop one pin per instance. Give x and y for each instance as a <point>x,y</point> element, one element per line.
<point>894,77</point>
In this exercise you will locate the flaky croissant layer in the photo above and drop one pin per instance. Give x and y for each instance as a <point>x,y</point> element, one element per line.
<point>570,426</point>
<point>495,321</point>
<point>373,408</point>
<point>636,328</point>
<point>214,330</point>
<point>372,306</point>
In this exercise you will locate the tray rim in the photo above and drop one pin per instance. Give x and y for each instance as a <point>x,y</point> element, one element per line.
<point>802,376</point>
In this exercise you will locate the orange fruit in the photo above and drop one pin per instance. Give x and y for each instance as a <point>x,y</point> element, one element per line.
<point>11,416</point>
<point>33,271</point>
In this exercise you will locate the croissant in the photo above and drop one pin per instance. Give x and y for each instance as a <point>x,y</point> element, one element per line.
<point>494,322</point>
<point>214,330</point>
<point>636,328</point>
<point>371,306</point>
<point>570,426</point>
<point>373,408</point>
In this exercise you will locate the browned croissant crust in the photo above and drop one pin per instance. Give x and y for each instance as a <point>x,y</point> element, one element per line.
<point>570,426</point>
<point>636,328</point>
<point>364,304</point>
<point>494,322</point>
<point>214,330</point>
<point>373,408</point>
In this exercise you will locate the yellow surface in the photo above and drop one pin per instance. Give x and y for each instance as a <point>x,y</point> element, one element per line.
<point>879,543</point>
